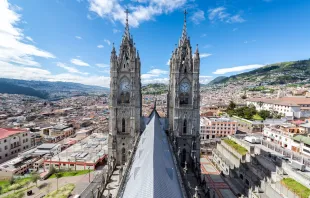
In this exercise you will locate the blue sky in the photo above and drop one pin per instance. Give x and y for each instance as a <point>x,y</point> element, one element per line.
<point>71,40</point>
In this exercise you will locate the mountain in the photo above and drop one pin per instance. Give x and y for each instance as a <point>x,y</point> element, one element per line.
<point>156,88</point>
<point>16,89</point>
<point>216,80</point>
<point>50,90</point>
<point>274,74</point>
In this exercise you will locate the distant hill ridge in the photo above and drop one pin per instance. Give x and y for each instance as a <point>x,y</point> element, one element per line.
<point>273,74</point>
<point>46,89</point>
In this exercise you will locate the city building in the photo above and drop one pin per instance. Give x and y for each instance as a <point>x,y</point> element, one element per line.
<point>13,141</point>
<point>88,153</point>
<point>298,106</point>
<point>216,128</point>
<point>283,135</point>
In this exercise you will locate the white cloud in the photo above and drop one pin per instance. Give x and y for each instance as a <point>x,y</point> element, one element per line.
<point>70,69</point>
<point>153,74</point>
<point>107,41</point>
<point>235,29</point>
<point>79,62</point>
<point>115,31</point>
<point>168,62</point>
<point>237,69</point>
<point>8,70</point>
<point>29,38</point>
<point>203,35</point>
<point>204,55</point>
<point>205,79</point>
<point>221,14</point>
<point>13,49</point>
<point>155,80</point>
<point>100,46</point>
<point>198,16</point>
<point>142,10</point>
<point>102,65</point>
<point>78,37</point>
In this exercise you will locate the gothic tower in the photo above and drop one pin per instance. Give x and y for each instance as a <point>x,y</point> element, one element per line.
<point>184,101</point>
<point>125,98</point>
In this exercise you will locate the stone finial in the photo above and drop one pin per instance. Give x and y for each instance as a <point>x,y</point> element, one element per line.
<point>196,195</point>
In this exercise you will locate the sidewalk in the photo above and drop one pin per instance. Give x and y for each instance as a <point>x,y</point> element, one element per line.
<point>50,185</point>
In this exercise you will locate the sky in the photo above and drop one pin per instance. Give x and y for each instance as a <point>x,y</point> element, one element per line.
<point>71,40</point>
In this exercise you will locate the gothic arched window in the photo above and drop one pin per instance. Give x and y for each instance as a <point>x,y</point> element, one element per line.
<point>184,126</point>
<point>186,98</point>
<point>127,97</point>
<point>183,156</point>
<point>181,98</point>
<point>194,145</point>
<point>123,125</point>
<point>123,155</point>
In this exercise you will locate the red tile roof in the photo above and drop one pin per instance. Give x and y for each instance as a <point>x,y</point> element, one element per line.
<point>6,132</point>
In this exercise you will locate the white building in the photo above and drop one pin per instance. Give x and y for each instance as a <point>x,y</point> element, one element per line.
<point>211,128</point>
<point>13,141</point>
<point>283,135</point>
<point>289,106</point>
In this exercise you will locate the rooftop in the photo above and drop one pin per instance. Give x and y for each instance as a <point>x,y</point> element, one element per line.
<point>301,138</point>
<point>6,132</point>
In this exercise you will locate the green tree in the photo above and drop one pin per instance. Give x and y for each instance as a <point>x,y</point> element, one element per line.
<point>12,181</point>
<point>264,114</point>
<point>231,106</point>
<point>34,178</point>
<point>57,175</point>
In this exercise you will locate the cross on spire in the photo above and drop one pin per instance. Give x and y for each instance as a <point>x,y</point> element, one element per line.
<point>185,13</point>
<point>184,33</point>
<point>127,24</point>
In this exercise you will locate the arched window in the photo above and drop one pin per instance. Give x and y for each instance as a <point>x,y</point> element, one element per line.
<point>123,155</point>
<point>181,98</point>
<point>127,97</point>
<point>122,97</point>
<point>184,126</point>
<point>194,146</point>
<point>185,70</point>
<point>123,125</point>
<point>186,98</point>
<point>183,156</point>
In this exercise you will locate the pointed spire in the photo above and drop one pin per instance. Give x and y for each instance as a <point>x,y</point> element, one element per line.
<point>113,49</point>
<point>184,32</point>
<point>138,54</point>
<point>127,33</point>
<point>197,51</point>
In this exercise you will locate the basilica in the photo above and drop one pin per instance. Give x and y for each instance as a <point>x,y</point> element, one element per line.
<point>155,156</point>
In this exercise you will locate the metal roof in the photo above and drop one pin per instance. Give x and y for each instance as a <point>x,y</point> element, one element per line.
<point>153,172</point>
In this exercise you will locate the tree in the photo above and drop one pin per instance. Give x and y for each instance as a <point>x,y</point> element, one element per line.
<point>264,114</point>
<point>57,175</point>
<point>12,181</point>
<point>231,106</point>
<point>34,178</point>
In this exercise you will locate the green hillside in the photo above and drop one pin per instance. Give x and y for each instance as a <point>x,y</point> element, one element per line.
<point>156,88</point>
<point>278,73</point>
<point>16,89</point>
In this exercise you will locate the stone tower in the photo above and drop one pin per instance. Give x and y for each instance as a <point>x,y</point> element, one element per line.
<point>125,98</point>
<point>184,101</point>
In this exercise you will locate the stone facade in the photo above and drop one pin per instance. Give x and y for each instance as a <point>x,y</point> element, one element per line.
<point>184,100</point>
<point>125,99</point>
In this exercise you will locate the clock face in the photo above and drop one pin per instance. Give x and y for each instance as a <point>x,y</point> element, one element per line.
<point>125,86</point>
<point>184,87</point>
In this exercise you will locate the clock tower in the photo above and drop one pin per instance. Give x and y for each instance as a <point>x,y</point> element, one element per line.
<point>125,99</point>
<point>184,101</point>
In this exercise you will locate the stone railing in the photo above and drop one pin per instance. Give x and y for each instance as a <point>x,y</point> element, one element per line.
<point>121,187</point>
<point>181,179</point>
